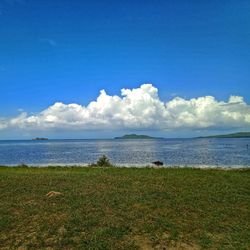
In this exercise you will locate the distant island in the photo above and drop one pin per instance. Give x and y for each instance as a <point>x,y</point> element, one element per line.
<point>39,139</point>
<point>135,136</point>
<point>234,135</point>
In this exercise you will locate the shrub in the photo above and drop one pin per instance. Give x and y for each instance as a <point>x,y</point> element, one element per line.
<point>23,165</point>
<point>103,161</point>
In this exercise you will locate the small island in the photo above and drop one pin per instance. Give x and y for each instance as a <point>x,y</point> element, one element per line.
<point>39,139</point>
<point>135,136</point>
<point>234,135</point>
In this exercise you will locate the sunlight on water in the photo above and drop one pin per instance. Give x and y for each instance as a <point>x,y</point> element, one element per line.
<point>173,152</point>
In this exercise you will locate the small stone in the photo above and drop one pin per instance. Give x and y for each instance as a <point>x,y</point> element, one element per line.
<point>157,163</point>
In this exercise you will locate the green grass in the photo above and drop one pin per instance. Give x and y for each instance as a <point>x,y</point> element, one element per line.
<point>119,208</point>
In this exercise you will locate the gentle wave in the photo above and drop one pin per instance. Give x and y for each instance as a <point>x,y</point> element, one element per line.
<point>195,153</point>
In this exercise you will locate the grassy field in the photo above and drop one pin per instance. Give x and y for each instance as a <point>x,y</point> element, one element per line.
<point>125,208</point>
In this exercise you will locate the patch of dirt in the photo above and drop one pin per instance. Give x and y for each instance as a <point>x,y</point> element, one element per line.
<point>184,246</point>
<point>146,244</point>
<point>177,246</point>
<point>31,202</point>
<point>62,231</point>
<point>143,243</point>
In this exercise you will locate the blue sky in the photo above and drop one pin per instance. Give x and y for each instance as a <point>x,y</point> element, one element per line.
<point>68,50</point>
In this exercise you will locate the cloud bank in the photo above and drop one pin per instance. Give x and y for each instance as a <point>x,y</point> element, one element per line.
<point>139,108</point>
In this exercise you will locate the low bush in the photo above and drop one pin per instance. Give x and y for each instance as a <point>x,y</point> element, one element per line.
<point>103,161</point>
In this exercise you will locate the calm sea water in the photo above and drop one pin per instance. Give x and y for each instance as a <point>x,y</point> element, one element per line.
<point>173,152</point>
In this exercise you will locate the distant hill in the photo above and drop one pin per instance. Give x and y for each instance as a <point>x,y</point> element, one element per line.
<point>39,139</point>
<point>234,135</point>
<point>135,136</point>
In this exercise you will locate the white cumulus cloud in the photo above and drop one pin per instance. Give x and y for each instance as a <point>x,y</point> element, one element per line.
<point>139,108</point>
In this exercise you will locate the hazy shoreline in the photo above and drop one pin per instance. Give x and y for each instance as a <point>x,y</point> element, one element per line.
<point>87,165</point>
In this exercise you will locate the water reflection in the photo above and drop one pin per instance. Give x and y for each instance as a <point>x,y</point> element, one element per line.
<point>173,152</point>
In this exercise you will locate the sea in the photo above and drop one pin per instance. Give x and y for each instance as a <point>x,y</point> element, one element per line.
<point>198,152</point>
